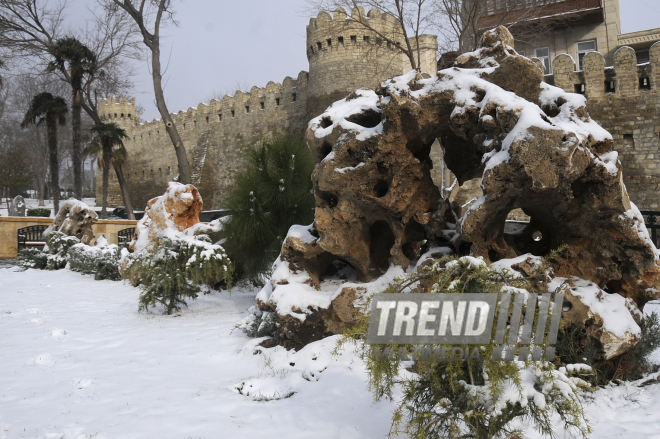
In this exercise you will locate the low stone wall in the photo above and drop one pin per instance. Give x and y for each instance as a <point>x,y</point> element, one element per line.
<point>10,225</point>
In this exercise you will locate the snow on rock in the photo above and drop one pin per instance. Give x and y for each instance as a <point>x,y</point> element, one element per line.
<point>613,320</point>
<point>75,218</point>
<point>167,216</point>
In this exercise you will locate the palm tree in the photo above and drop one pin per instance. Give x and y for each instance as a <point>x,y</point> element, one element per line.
<point>52,110</point>
<point>81,61</point>
<point>107,136</point>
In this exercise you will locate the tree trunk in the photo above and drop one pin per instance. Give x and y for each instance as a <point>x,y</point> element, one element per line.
<point>124,193</point>
<point>107,154</point>
<point>51,126</point>
<point>76,147</point>
<point>185,176</point>
<point>40,190</point>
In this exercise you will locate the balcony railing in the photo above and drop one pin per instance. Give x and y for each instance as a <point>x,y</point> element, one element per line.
<point>564,12</point>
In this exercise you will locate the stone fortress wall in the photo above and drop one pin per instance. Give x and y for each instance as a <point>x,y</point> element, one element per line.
<point>623,98</point>
<point>342,58</point>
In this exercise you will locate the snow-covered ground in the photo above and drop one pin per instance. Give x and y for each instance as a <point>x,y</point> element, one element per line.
<point>78,361</point>
<point>31,203</point>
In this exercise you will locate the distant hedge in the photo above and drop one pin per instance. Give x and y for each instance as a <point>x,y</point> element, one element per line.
<point>39,211</point>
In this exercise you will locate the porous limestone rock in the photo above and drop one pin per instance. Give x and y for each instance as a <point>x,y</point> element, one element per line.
<point>17,206</point>
<point>75,218</point>
<point>534,147</point>
<point>175,211</point>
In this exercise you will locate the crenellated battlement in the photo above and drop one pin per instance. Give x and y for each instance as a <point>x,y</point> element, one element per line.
<point>339,31</point>
<point>625,78</point>
<point>119,110</point>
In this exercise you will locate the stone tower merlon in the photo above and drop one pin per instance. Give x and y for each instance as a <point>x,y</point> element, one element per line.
<point>120,111</point>
<point>625,79</point>
<point>344,54</point>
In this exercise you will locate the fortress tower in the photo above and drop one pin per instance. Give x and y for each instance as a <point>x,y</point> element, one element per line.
<point>344,55</point>
<point>120,111</point>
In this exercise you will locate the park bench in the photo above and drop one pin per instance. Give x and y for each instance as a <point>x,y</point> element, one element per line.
<point>125,236</point>
<point>31,236</point>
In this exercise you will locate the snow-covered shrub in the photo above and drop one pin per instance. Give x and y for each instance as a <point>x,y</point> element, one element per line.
<point>176,270</point>
<point>101,260</point>
<point>269,196</point>
<point>476,398</point>
<point>57,246</point>
<point>39,211</point>
<point>258,323</point>
<point>32,258</point>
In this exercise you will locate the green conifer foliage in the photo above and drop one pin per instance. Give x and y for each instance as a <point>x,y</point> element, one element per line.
<point>177,270</point>
<point>477,398</point>
<point>273,193</point>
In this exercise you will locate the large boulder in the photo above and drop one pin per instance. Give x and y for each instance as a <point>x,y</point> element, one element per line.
<point>534,147</point>
<point>75,218</point>
<point>175,211</point>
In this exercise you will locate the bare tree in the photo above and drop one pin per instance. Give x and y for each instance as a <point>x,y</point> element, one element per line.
<point>460,23</point>
<point>149,15</point>
<point>413,18</point>
<point>31,29</point>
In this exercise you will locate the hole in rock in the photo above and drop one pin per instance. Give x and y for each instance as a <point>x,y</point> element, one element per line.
<point>381,241</point>
<point>326,149</point>
<point>566,306</point>
<point>339,269</point>
<point>380,189</point>
<point>493,256</point>
<point>326,122</point>
<point>531,236</point>
<point>328,200</point>
<point>613,287</point>
<point>368,118</point>
<point>551,111</point>
<point>414,234</point>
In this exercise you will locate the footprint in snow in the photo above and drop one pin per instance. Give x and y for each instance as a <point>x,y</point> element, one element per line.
<point>33,311</point>
<point>38,321</point>
<point>58,334</point>
<point>45,360</point>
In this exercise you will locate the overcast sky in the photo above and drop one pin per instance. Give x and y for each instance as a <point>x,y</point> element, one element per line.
<point>222,44</point>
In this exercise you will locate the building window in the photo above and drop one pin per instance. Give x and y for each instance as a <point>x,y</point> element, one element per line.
<point>293,97</point>
<point>583,48</point>
<point>365,38</point>
<point>233,113</point>
<point>643,57</point>
<point>207,119</point>
<point>544,55</point>
<point>353,39</point>
<point>610,86</point>
<point>220,116</point>
<point>247,108</point>
<point>277,102</point>
<point>644,83</point>
<point>319,45</point>
<point>340,40</point>
<point>263,105</point>
<point>329,41</point>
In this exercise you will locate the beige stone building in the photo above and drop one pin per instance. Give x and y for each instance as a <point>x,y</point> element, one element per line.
<point>547,28</point>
